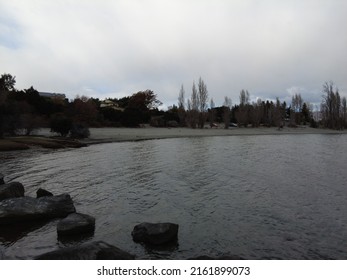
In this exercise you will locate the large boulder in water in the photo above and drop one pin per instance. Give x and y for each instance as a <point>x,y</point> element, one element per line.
<point>97,250</point>
<point>75,224</point>
<point>21,209</point>
<point>156,234</point>
<point>42,192</point>
<point>10,190</point>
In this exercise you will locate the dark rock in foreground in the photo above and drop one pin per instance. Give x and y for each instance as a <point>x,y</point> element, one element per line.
<point>10,190</point>
<point>155,234</point>
<point>42,192</point>
<point>97,250</point>
<point>2,179</point>
<point>23,209</point>
<point>76,223</point>
<point>223,257</point>
<point>2,255</point>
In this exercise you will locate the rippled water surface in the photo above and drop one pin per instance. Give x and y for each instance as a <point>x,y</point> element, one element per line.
<point>256,197</point>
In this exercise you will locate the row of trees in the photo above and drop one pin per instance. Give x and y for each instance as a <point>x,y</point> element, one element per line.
<point>333,108</point>
<point>195,116</point>
<point>194,112</point>
<point>22,111</point>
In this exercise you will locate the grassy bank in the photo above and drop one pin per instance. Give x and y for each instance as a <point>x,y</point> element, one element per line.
<point>108,134</point>
<point>25,142</point>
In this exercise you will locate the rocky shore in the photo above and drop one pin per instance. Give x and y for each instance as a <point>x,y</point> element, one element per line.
<point>26,213</point>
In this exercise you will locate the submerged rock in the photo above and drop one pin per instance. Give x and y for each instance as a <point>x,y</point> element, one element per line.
<point>21,209</point>
<point>97,250</point>
<point>156,234</point>
<point>75,224</point>
<point>2,179</point>
<point>42,192</point>
<point>10,190</point>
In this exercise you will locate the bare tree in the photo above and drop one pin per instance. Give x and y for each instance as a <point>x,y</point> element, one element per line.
<point>296,109</point>
<point>242,113</point>
<point>226,111</point>
<point>181,100</point>
<point>212,113</point>
<point>244,97</point>
<point>181,106</point>
<point>195,98</point>
<point>331,107</point>
<point>297,102</point>
<point>203,99</point>
<point>188,117</point>
<point>203,95</point>
<point>194,110</point>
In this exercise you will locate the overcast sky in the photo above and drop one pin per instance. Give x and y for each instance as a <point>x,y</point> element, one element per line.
<point>115,48</point>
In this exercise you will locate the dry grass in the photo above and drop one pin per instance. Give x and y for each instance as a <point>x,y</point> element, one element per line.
<point>8,145</point>
<point>24,142</point>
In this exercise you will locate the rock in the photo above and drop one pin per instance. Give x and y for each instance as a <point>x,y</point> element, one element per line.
<point>202,257</point>
<point>222,257</point>
<point>97,250</point>
<point>2,255</point>
<point>41,193</point>
<point>76,223</point>
<point>155,234</point>
<point>10,190</point>
<point>2,179</point>
<point>21,209</point>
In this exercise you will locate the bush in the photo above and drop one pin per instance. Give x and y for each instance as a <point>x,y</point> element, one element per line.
<point>132,118</point>
<point>60,124</point>
<point>157,121</point>
<point>79,131</point>
<point>172,124</point>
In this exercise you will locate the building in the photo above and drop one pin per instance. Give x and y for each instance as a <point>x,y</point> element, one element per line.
<point>107,103</point>
<point>53,95</point>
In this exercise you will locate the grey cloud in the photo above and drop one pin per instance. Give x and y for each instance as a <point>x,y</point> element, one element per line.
<point>118,47</point>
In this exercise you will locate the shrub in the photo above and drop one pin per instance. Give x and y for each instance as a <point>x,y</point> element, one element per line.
<point>79,131</point>
<point>132,118</point>
<point>60,124</point>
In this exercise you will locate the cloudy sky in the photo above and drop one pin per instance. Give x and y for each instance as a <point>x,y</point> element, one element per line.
<point>113,48</point>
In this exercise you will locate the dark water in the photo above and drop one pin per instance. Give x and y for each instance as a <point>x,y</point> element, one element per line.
<point>257,197</point>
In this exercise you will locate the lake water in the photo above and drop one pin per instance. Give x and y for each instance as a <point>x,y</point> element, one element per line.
<point>255,197</point>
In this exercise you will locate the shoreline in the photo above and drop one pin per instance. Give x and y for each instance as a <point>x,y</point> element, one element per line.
<point>110,135</point>
<point>45,139</point>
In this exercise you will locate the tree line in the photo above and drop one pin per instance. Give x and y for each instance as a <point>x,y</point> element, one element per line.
<point>193,111</point>
<point>23,111</point>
